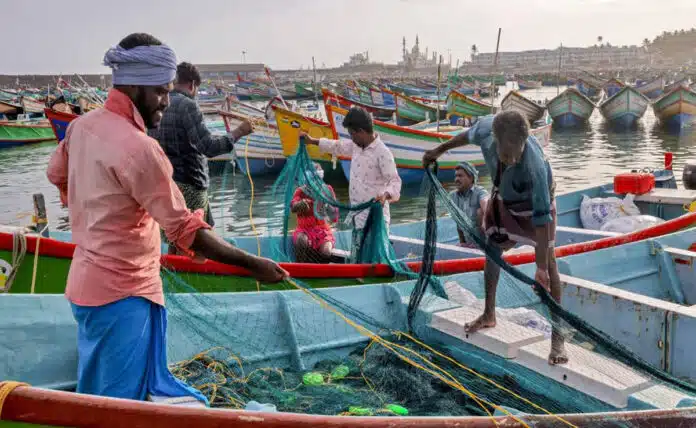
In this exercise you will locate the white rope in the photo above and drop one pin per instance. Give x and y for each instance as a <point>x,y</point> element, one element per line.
<point>19,250</point>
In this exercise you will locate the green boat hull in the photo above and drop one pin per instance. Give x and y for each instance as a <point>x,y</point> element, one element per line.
<point>52,275</point>
<point>302,90</point>
<point>13,135</point>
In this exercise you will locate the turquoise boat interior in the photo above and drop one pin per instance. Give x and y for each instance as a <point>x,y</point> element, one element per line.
<point>642,295</point>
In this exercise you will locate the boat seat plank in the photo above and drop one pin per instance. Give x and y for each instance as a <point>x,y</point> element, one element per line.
<point>593,374</point>
<point>469,251</point>
<point>627,295</point>
<point>679,252</point>
<point>668,196</point>
<point>662,397</point>
<point>504,340</point>
<point>432,303</point>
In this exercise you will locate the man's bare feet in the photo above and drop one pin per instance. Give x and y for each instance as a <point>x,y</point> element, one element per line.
<point>484,321</point>
<point>557,356</point>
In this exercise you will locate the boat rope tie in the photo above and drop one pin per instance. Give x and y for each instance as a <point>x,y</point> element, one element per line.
<point>6,389</point>
<point>19,250</point>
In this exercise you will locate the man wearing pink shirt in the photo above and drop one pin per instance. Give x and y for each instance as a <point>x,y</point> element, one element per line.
<point>116,182</point>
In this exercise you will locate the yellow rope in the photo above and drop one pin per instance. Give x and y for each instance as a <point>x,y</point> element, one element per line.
<point>6,389</point>
<point>443,375</point>
<point>251,205</point>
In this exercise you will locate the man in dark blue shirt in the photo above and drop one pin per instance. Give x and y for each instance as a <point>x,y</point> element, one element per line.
<point>187,141</point>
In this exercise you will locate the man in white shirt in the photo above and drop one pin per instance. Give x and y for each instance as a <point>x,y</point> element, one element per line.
<point>373,173</point>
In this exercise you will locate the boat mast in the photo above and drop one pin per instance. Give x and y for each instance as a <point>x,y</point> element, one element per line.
<point>495,71</point>
<point>316,95</point>
<point>558,75</point>
<point>437,103</point>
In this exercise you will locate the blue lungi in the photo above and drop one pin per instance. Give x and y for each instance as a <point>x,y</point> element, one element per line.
<point>122,351</point>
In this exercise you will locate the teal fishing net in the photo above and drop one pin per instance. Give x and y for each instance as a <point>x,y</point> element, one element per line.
<point>375,349</point>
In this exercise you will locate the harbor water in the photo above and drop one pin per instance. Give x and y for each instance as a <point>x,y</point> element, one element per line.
<point>579,157</point>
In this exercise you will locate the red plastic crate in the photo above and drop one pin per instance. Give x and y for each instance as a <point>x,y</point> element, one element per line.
<point>634,182</point>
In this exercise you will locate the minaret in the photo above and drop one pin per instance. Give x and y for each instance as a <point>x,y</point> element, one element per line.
<point>403,47</point>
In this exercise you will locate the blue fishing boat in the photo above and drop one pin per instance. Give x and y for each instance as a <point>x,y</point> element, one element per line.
<point>59,121</point>
<point>653,88</point>
<point>647,287</point>
<point>588,89</point>
<point>570,108</point>
<point>677,108</point>
<point>625,107</point>
<point>612,86</point>
<point>259,153</point>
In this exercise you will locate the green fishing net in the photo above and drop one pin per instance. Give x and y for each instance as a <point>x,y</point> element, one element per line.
<point>371,349</point>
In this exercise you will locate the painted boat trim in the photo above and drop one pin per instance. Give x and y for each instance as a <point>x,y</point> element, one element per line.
<point>54,116</point>
<point>58,408</point>
<point>53,248</point>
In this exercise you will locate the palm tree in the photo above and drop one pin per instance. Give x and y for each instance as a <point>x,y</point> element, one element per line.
<point>599,39</point>
<point>646,43</point>
<point>474,51</point>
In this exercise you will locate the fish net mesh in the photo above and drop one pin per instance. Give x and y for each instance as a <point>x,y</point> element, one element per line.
<point>387,349</point>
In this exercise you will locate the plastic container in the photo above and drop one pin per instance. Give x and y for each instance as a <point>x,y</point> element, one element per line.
<point>634,182</point>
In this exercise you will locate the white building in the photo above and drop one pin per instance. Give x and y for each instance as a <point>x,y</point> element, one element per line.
<point>416,59</point>
<point>602,55</point>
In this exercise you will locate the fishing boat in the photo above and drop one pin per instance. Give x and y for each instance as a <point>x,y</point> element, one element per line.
<point>382,97</point>
<point>651,288</point>
<point>677,108</point>
<point>588,89</point>
<point>304,90</point>
<point>460,105</point>
<point>516,101</point>
<point>59,121</point>
<point>20,133</point>
<point>652,89</point>
<point>408,146</point>
<point>529,84</point>
<point>682,81</point>
<point>625,107</point>
<point>410,110</point>
<point>8,108</point>
<point>570,108</point>
<point>32,105</point>
<point>378,112</point>
<point>612,86</point>
<point>57,250</point>
<point>259,153</point>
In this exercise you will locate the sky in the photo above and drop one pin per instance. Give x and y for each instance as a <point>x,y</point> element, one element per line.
<point>71,36</point>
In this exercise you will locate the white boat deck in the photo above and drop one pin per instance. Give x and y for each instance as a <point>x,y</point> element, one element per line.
<point>668,196</point>
<point>593,374</point>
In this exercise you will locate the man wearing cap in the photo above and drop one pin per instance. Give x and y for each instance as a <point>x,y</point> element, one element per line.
<point>117,184</point>
<point>469,197</point>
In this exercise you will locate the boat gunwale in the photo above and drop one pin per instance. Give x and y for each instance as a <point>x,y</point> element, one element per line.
<point>625,88</point>
<point>182,264</point>
<point>327,94</point>
<point>59,408</point>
